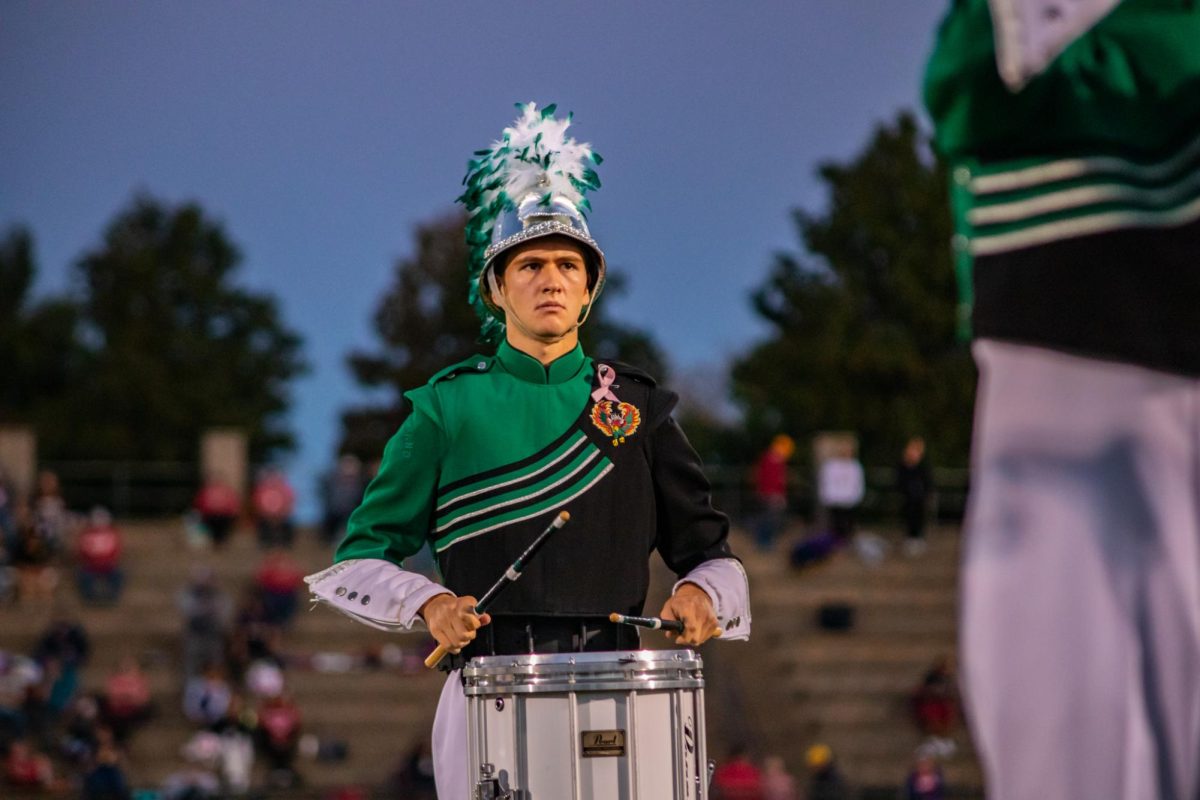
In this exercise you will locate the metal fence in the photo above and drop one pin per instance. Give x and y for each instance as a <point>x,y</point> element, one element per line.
<point>128,488</point>
<point>132,488</point>
<point>733,493</point>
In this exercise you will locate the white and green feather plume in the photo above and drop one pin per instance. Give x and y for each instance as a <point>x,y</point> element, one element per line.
<point>533,156</point>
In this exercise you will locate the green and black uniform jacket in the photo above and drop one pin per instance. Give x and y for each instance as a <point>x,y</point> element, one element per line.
<point>496,446</point>
<point>1077,198</point>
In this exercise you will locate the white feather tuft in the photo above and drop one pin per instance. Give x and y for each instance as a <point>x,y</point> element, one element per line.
<point>540,158</point>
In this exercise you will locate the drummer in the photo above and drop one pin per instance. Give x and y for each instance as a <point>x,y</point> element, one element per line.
<point>497,445</point>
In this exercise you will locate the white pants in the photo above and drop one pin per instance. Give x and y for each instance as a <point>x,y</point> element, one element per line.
<point>450,741</point>
<point>1080,613</point>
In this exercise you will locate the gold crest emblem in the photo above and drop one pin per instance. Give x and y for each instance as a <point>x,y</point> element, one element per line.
<point>616,421</point>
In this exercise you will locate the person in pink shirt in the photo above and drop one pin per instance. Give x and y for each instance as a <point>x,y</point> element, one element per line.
<point>279,579</point>
<point>770,489</point>
<point>127,701</point>
<point>738,778</point>
<point>273,502</point>
<point>98,559</point>
<point>218,505</point>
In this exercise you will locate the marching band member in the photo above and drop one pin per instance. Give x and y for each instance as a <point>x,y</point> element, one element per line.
<point>1072,132</point>
<point>497,445</point>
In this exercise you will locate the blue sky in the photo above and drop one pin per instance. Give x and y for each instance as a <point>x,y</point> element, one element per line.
<point>321,133</point>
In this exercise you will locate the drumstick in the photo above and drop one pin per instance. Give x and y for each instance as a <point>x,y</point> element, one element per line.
<point>654,623</point>
<point>511,574</point>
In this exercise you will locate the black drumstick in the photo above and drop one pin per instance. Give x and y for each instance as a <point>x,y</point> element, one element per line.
<point>653,623</point>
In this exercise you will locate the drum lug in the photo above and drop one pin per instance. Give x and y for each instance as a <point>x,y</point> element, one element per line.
<point>489,787</point>
<point>712,767</point>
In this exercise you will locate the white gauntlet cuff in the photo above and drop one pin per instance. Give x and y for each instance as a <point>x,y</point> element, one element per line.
<point>374,592</point>
<point>724,581</point>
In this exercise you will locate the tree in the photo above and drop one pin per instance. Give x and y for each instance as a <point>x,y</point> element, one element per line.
<point>425,324</point>
<point>38,341</point>
<point>172,345</point>
<point>864,332</point>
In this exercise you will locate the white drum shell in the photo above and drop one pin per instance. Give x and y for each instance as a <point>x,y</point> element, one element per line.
<point>530,717</point>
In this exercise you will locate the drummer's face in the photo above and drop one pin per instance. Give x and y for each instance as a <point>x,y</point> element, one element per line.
<point>545,284</point>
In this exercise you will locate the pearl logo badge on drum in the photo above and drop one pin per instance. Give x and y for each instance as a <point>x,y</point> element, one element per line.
<point>603,743</point>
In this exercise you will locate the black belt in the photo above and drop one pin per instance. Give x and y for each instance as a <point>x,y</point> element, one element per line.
<point>525,635</point>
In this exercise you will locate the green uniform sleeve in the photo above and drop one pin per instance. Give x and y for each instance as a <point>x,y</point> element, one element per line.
<point>392,522</point>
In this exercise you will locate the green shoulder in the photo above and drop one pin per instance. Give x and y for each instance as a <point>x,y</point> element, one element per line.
<point>475,365</point>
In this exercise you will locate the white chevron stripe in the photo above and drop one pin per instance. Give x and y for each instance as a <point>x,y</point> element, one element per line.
<point>582,438</point>
<point>1084,196</point>
<point>564,501</point>
<point>1084,226</point>
<point>591,458</point>
<point>1067,168</point>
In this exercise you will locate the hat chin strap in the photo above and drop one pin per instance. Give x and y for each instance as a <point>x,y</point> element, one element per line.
<point>509,314</point>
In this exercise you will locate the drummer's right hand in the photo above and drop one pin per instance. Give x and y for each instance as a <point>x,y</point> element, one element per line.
<point>452,620</point>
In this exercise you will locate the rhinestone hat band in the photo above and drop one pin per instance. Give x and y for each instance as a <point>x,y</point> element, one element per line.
<point>539,229</point>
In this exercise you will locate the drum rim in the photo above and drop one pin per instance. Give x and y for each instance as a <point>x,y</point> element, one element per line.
<point>488,689</point>
<point>653,670</point>
<point>675,659</point>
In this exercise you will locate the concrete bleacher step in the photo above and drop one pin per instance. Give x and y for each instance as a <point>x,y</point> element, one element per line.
<point>792,685</point>
<point>849,689</point>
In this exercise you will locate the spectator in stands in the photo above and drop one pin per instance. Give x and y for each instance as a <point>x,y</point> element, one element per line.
<point>32,558</point>
<point>197,780</point>
<point>770,489</point>
<point>26,768</point>
<point>235,764</point>
<point>106,779</point>
<point>218,505</point>
<point>914,482</point>
<point>18,674</point>
<point>48,699</point>
<point>127,701</point>
<point>50,513</point>
<point>278,580</point>
<point>207,612</point>
<point>925,781</point>
<point>840,489</point>
<point>738,778</point>
<point>98,559</point>
<point>414,778</point>
<point>8,572</point>
<point>254,638</point>
<point>66,640</point>
<point>778,783</point>
<point>341,492</point>
<point>264,679</point>
<point>279,728</point>
<point>81,729</point>
<point>206,697</point>
<point>273,503</point>
<point>8,503</point>
<point>935,706</point>
<point>825,779</point>
<point>62,651</point>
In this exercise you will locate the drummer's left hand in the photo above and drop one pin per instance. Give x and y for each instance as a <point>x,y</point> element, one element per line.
<point>692,606</point>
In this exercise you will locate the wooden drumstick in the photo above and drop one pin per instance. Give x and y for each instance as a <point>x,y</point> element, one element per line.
<point>654,623</point>
<point>513,573</point>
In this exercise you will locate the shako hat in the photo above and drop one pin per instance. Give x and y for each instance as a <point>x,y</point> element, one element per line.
<point>529,184</point>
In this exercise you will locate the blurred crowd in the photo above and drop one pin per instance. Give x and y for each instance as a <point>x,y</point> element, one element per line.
<point>740,777</point>
<point>67,731</point>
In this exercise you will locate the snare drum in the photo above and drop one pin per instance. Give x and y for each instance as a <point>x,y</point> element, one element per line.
<point>625,725</point>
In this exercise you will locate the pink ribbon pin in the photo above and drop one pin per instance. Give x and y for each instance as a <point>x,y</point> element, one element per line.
<point>606,375</point>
